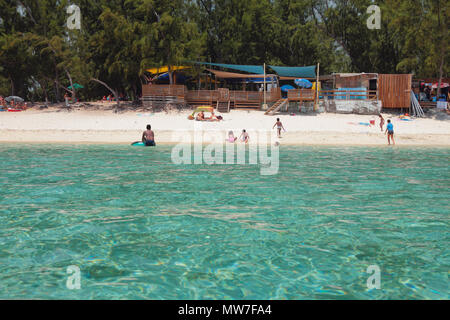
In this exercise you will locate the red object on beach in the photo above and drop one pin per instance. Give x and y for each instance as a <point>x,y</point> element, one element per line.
<point>372,122</point>
<point>14,110</point>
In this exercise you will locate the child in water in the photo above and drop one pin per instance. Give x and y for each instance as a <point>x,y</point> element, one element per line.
<point>231,137</point>
<point>244,136</point>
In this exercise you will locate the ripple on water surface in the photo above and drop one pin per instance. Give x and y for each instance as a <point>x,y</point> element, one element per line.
<point>139,226</point>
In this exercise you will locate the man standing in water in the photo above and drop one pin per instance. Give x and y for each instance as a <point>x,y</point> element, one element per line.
<point>148,137</point>
<point>390,132</point>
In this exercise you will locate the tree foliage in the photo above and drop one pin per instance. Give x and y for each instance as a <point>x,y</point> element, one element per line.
<point>119,39</point>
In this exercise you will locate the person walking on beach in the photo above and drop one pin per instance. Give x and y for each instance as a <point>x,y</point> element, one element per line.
<point>279,127</point>
<point>148,137</point>
<point>390,132</point>
<point>244,136</point>
<point>381,122</point>
<point>66,98</point>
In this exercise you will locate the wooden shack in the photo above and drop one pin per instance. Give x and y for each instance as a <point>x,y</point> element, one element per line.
<point>394,90</point>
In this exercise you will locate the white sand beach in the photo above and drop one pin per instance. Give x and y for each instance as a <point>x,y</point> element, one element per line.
<point>105,126</point>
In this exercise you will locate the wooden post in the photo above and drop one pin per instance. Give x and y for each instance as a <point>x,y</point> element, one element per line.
<point>317,87</point>
<point>265,101</point>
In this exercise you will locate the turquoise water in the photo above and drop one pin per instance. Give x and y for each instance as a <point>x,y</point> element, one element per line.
<point>140,227</point>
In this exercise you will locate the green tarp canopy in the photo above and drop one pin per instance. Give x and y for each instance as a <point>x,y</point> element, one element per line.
<point>240,67</point>
<point>297,72</point>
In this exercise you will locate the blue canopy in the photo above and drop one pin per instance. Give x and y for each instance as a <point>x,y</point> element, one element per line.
<point>303,83</point>
<point>240,67</point>
<point>298,72</point>
<point>287,87</point>
<point>180,78</point>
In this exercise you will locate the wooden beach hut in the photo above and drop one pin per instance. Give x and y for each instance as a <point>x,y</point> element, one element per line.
<point>255,87</point>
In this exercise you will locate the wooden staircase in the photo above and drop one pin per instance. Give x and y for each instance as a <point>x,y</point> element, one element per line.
<point>276,106</point>
<point>223,106</point>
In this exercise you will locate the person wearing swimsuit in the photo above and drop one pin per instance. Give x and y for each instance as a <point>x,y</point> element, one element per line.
<point>244,136</point>
<point>148,137</point>
<point>231,137</point>
<point>279,127</point>
<point>390,132</point>
<point>381,122</point>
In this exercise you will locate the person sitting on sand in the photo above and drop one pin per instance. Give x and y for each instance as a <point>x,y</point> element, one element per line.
<point>200,116</point>
<point>213,117</point>
<point>390,132</point>
<point>279,127</point>
<point>148,137</point>
<point>244,137</point>
<point>381,122</point>
<point>231,137</point>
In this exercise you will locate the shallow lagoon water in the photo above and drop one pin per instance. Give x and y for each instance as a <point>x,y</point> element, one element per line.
<point>140,227</point>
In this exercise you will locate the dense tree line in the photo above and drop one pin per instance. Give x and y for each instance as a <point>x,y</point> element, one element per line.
<point>40,57</point>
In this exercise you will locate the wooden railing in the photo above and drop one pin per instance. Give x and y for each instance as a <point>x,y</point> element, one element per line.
<point>301,95</point>
<point>273,95</point>
<point>349,95</point>
<point>202,95</point>
<point>210,96</point>
<point>255,96</point>
<point>163,90</point>
<point>246,96</point>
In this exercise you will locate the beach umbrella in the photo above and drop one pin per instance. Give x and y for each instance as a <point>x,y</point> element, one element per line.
<point>76,86</point>
<point>14,98</point>
<point>443,85</point>
<point>303,83</point>
<point>287,87</point>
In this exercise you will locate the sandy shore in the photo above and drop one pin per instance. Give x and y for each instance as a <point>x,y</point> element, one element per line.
<point>105,126</point>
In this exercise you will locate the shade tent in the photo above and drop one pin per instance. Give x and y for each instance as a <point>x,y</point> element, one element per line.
<point>288,72</point>
<point>76,86</point>
<point>241,67</point>
<point>165,77</point>
<point>14,98</point>
<point>297,72</point>
<point>287,87</point>
<point>303,83</point>
<point>165,69</point>
<point>232,75</point>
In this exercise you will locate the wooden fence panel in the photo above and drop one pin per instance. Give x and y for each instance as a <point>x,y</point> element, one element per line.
<point>301,95</point>
<point>209,96</point>
<point>394,90</point>
<point>163,90</point>
<point>273,95</point>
